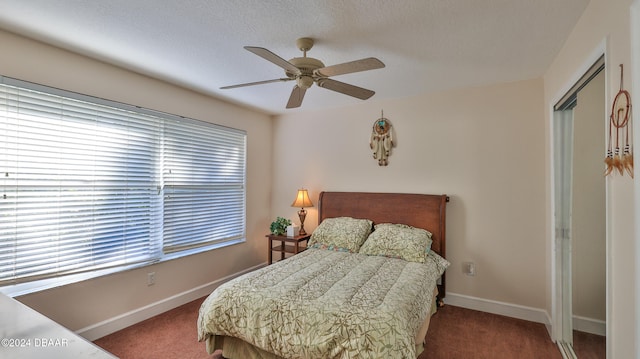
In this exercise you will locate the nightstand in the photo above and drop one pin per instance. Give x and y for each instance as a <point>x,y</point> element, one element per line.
<point>287,245</point>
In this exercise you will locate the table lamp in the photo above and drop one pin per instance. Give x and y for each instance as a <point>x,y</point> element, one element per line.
<point>302,200</point>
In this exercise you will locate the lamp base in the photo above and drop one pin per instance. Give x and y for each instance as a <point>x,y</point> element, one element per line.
<point>302,214</point>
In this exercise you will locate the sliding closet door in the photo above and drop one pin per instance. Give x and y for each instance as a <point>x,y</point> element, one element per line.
<point>563,159</point>
<point>588,214</point>
<point>579,125</point>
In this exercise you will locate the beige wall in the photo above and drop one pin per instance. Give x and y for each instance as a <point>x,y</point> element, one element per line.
<point>79,305</point>
<point>635,98</point>
<point>484,147</point>
<point>603,27</point>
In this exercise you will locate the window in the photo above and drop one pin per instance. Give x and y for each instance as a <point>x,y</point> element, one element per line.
<point>88,184</point>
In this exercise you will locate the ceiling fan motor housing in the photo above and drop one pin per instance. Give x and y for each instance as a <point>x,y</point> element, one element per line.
<point>306,65</point>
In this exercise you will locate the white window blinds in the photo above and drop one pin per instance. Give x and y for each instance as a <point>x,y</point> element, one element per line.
<point>82,184</point>
<point>204,185</point>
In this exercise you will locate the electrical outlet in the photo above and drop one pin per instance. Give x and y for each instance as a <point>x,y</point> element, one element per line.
<point>151,278</point>
<point>469,268</point>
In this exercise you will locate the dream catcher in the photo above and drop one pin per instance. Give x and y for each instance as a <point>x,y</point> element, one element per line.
<point>381,140</point>
<point>619,122</point>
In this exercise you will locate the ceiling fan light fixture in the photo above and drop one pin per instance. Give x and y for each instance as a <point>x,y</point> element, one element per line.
<point>304,81</point>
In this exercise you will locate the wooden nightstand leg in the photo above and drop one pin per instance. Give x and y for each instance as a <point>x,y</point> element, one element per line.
<point>270,251</point>
<point>282,253</point>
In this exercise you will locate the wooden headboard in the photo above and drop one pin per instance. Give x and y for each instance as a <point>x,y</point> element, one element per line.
<point>425,211</point>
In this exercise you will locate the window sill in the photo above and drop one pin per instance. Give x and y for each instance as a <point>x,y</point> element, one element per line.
<point>49,283</point>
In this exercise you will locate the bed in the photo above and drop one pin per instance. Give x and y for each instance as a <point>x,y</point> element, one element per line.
<point>365,287</point>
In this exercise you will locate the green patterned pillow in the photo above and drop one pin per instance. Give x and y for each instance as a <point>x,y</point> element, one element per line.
<point>398,241</point>
<point>344,234</point>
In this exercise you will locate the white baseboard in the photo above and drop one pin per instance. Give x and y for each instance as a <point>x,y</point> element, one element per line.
<point>112,325</point>
<point>500,308</point>
<point>589,325</point>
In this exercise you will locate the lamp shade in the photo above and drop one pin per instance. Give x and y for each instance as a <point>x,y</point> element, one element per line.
<point>302,199</point>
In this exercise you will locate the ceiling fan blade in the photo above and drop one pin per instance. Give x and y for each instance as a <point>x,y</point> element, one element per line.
<point>270,56</point>
<point>346,89</point>
<point>256,83</point>
<point>297,95</point>
<point>370,63</point>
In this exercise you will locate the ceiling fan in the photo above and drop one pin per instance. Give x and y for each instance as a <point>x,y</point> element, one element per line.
<point>307,71</point>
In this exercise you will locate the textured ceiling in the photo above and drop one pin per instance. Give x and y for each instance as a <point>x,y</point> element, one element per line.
<point>427,45</point>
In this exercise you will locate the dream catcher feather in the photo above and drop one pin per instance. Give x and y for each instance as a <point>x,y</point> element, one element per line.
<point>617,160</point>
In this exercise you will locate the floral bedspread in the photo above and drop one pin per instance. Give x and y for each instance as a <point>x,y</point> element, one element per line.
<point>326,304</point>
